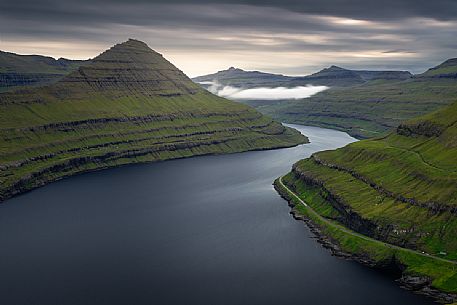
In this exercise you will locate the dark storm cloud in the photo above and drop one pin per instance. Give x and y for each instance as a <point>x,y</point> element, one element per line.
<point>272,35</point>
<point>386,9</point>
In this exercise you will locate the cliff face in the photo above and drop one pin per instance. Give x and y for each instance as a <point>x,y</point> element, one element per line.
<point>401,188</point>
<point>11,80</point>
<point>128,105</point>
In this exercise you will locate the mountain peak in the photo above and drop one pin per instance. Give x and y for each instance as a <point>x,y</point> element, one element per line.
<point>132,66</point>
<point>136,41</point>
<point>334,76</point>
<point>134,44</point>
<point>131,49</point>
<point>233,69</point>
<point>335,68</point>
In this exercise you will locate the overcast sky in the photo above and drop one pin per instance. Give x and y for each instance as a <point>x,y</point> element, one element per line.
<point>294,37</point>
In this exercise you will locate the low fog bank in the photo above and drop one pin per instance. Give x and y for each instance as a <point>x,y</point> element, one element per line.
<point>263,93</point>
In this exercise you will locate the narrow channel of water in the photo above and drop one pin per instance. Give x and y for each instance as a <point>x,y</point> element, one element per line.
<point>205,230</point>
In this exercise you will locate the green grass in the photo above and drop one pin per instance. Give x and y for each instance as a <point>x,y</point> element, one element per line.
<point>128,105</point>
<point>21,71</point>
<point>365,104</point>
<point>367,110</point>
<point>446,69</point>
<point>400,189</point>
<point>443,274</point>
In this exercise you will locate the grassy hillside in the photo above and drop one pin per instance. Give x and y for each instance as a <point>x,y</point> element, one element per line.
<point>400,189</point>
<point>447,69</point>
<point>33,70</point>
<point>128,105</point>
<point>371,108</point>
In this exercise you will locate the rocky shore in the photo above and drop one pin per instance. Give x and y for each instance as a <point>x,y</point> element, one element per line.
<point>418,284</point>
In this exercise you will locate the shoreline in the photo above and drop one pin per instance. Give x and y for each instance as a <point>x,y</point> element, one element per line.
<point>421,285</point>
<point>9,193</point>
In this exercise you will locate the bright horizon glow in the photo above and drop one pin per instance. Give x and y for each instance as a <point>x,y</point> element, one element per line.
<point>266,39</point>
<point>194,63</point>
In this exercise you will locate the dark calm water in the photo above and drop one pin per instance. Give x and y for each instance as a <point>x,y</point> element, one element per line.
<point>206,230</point>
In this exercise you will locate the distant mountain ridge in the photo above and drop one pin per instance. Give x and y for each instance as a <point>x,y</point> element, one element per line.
<point>33,70</point>
<point>247,79</point>
<point>127,105</point>
<point>331,76</point>
<point>363,103</point>
<point>375,106</point>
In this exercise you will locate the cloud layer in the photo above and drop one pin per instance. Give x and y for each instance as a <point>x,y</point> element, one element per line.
<point>288,36</point>
<point>277,93</point>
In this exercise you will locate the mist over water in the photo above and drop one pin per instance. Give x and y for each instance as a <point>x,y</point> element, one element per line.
<point>264,93</point>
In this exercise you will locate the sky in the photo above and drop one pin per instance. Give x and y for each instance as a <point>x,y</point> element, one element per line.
<point>293,37</point>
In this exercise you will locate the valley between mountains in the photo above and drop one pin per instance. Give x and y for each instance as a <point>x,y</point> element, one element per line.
<point>388,201</point>
<point>362,103</point>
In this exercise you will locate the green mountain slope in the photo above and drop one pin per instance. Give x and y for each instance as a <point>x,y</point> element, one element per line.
<point>127,105</point>
<point>374,107</point>
<point>33,70</point>
<point>447,69</point>
<point>400,189</point>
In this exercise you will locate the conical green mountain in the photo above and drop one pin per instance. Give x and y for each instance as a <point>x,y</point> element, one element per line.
<point>127,105</point>
<point>400,189</point>
<point>131,67</point>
